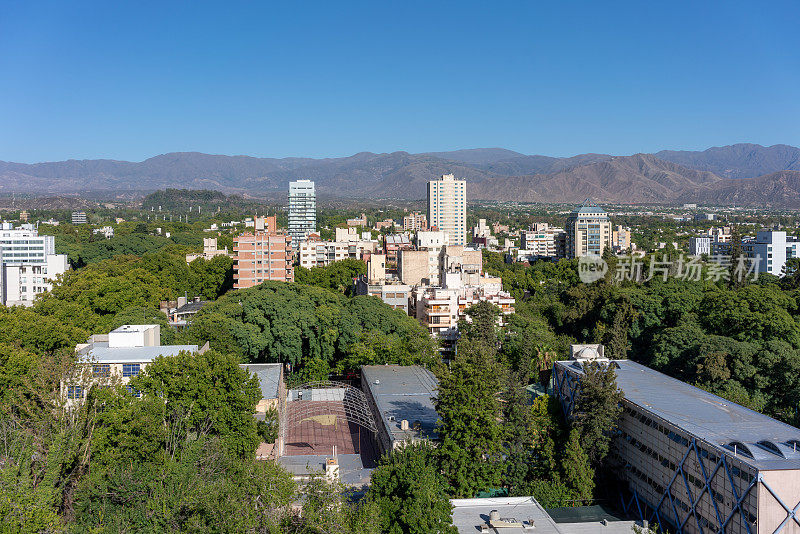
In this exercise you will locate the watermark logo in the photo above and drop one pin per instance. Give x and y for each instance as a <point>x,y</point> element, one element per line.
<point>591,268</point>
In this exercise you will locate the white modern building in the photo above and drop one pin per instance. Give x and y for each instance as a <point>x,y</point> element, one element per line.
<point>302,210</point>
<point>116,357</point>
<point>699,246</point>
<point>447,207</point>
<point>28,264</point>
<point>770,249</point>
<point>542,241</point>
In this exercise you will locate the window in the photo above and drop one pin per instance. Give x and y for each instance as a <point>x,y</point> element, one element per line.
<point>130,369</point>
<point>133,391</point>
<point>74,392</point>
<point>101,369</point>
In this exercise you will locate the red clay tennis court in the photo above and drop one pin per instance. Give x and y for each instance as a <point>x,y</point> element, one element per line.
<point>324,427</point>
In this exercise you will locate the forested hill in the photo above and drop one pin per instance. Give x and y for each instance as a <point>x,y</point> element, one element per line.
<point>714,175</point>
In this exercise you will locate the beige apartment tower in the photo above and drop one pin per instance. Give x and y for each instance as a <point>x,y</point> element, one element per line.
<point>447,207</point>
<point>588,231</point>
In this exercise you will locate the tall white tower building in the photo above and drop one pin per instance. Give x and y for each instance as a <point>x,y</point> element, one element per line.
<point>447,207</point>
<point>302,210</point>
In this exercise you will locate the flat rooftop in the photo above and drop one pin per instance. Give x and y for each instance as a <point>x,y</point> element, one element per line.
<point>470,514</point>
<point>711,418</point>
<point>100,352</point>
<point>268,375</point>
<point>403,392</point>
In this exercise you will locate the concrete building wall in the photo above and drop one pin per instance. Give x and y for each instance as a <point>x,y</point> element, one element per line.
<point>413,266</point>
<point>771,514</point>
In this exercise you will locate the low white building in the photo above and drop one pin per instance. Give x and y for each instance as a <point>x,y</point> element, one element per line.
<point>116,357</point>
<point>20,283</point>
<point>105,231</point>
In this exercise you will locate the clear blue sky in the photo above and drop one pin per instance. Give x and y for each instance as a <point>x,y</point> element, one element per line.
<point>130,80</point>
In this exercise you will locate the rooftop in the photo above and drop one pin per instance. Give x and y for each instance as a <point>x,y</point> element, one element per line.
<point>470,514</point>
<point>100,352</point>
<point>403,392</point>
<point>268,375</point>
<point>763,442</point>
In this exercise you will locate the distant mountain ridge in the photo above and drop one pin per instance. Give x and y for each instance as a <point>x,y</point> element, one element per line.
<point>742,173</point>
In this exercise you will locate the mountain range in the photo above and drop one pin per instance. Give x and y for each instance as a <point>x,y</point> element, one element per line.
<point>744,174</point>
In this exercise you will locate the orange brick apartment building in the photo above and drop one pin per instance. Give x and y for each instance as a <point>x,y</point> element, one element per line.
<point>265,254</point>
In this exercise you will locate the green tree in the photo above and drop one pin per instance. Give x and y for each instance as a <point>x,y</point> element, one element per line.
<point>578,473</point>
<point>206,392</point>
<point>597,409</point>
<point>410,494</point>
<point>468,408</point>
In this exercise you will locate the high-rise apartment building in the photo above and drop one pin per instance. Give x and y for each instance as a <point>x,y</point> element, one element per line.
<point>302,210</point>
<point>415,221</point>
<point>588,231</point>
<point>28,264</point>
<point>447,207</point>
<point>261,256</point>
<point>541,241</point>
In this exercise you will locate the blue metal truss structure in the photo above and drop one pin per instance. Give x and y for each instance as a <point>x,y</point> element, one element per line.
<point>567,387</point>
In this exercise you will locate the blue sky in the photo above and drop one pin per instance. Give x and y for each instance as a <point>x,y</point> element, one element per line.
<point>130,80</point>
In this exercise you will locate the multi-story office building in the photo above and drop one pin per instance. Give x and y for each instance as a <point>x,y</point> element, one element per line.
<point>28,264</point>
<point>302,210</point>
<point>588,231</point>
<point>79,217</point>
<point>447,207</point>
<point>117,357</point>
<point>415,221</point>
<point>694,462</point>
<point>771,249</point>
<point>541,241</point>
<point>261,256</point>
<point>699,246</point>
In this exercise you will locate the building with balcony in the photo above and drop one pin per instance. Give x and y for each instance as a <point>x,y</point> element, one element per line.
<point>694,462</point>
<point>79,217</point>
<point>302,210</point>
<point>588,231</point>
<point>28,264</point>
<point>415,221</point>
<point>262,256</point>
<point>447,207</point>
<point>393,243</point>
<point>323,253</point>
<point>542,241</point>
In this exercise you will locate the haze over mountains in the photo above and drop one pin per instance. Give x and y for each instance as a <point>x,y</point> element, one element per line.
<point>740,174</point>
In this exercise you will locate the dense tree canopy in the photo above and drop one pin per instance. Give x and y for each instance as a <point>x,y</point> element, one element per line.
<point>306,325</point>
